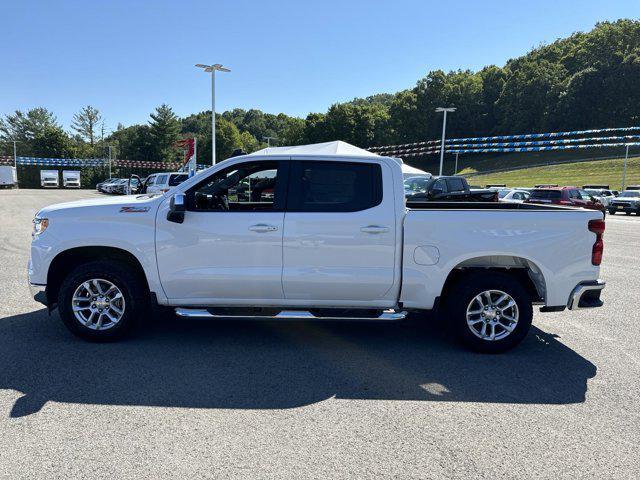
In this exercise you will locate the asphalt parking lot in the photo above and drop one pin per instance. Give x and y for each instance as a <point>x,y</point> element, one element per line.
<point>303,400</point>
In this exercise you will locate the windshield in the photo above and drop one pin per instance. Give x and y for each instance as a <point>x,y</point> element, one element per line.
<point>545,194</point>
<point>416,184</point>
<point>177,179</point>
<point>630,193</point>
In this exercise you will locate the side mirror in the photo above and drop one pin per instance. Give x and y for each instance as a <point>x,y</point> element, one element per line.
<point>436,192</point>
<point>177,207</point>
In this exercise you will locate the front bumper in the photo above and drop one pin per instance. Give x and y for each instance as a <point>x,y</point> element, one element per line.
<point>623,207</point>
<point>586,295</point>
<point>39,293</point>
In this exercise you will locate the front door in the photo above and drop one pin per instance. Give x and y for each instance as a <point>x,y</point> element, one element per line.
<point>339,234</point>
<point>229,248</point>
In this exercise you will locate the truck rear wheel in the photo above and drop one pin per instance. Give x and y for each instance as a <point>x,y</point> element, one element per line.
<point>490,312</point>
<point>101,301</point>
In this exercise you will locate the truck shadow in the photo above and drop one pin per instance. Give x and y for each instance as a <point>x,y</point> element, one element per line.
<point>269,365</point>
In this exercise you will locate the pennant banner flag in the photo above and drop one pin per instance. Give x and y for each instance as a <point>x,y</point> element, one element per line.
<point>432,146</point>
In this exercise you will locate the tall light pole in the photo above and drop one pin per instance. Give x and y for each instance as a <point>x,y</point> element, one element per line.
<point>268,139</point>
<point>216,67</point>
<point>15,161</point>
<point>110,147</point>
<point>444,128</point>
<point>624,171</point>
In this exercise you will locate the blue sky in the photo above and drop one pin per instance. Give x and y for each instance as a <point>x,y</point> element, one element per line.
<point>296,57</point>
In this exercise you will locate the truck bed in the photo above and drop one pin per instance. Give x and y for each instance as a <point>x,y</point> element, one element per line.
<point>482,206</point>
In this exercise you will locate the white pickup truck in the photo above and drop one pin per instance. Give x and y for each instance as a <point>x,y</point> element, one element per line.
<point>313,237</point>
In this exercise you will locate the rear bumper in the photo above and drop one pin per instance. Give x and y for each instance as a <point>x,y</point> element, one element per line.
<point>586,295</point>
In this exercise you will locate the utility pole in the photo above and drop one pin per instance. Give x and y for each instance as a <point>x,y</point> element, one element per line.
<point>456,171</point>
<point>110,147</point>
<point>193,164</point>
<point>268,139</point>
<point>15,161</point>
<point>444,129</point>
<point>624,170</point>
<point>216,67</point>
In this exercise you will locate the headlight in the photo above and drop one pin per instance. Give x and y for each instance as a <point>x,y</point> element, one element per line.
<point>40,225</point>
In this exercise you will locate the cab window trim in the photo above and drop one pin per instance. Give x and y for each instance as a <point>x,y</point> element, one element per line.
<point>294,203</point>
<point>280,191</point>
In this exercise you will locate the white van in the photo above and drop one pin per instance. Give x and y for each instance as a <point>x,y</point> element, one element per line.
<point>71,178</point>
<point>49,178</point>
<point>162,182</point>
<point>8,176</point>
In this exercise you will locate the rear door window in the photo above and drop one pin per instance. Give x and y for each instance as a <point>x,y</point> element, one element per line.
<point>455,185</point>
<point>334,186</point>
<point>161,180</point>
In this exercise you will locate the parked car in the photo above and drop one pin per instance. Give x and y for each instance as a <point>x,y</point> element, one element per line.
<point>162,182</point>
<point>336,241</point>
<point>569,196</point>
<point>513,196</point>
<point>8,176</point>
<point>451,189</point>
<point>99,186</point>
<point>114,185</point>
<point>627,202</point>
<point>127,186</point>
<point>603,195</point>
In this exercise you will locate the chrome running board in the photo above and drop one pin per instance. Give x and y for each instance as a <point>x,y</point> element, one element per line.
<point>389,315</point>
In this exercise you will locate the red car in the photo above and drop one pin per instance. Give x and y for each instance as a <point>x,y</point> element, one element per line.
<point>570,196</point>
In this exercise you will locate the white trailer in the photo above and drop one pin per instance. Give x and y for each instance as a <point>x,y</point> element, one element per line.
<point>71,178</point>
<point>8,176</point>
<point>49,178</point>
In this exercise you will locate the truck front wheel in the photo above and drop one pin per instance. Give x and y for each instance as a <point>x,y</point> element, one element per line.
<point>101,301</point>
<point>490,312</point>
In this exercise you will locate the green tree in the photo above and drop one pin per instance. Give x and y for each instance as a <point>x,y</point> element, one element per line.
<point>51,142</point>
<point>86,124</point>
<point>164,129</point>
<point>24,127</point>
<point>133,143</point>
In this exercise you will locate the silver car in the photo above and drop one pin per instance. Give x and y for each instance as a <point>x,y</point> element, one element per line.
<point>627,202</point>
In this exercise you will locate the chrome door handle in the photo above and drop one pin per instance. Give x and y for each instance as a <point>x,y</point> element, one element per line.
<point>263,227</point>
<point>374,229</point>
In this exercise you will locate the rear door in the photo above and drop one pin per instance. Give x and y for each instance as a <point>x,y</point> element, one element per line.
<point>339,233</point>
<point>455,187</point>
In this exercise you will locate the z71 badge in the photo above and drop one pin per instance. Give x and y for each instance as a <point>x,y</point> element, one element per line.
<point>134,209</point>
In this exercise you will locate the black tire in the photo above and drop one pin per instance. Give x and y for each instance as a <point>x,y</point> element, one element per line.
<point>469,287</point>
<point>136,298</point>
<point>612,212</point>
<point>627,213</point>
